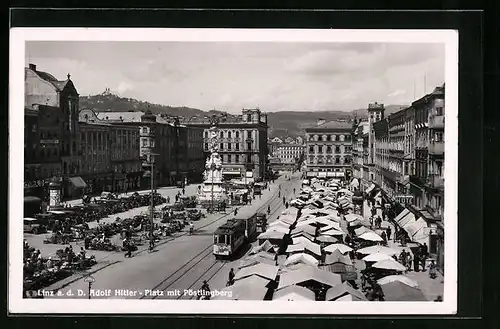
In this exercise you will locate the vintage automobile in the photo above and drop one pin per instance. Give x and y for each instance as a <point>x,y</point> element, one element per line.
<point>178,206</point>
<point>194,214</point>
<point>188,201</point>
<point>33,225</point>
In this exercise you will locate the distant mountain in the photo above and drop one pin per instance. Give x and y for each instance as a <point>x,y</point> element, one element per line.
<point>294,123</point>
<point>114,103</point>
<point>281,124</point>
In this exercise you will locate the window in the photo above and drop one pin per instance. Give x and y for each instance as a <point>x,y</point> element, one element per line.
<point>206,134</point>
<point>229,158</point>
<point>237,146</point>
<point>438,136</point>
<point>229,146</point>
<point>439,110</point>
<point>229,134</point>
<point>320,138</point>
<point>311,149</point>
<point>249,134</point>
<point>337,149</point>
<point>328,138</point>
<point>320,149</point>
<point>337,160</point>
<point>221,146</point>
<point>236,157</point>
<point>328,149</point>
<point>221,134</point>
<point>206,146</point>
<point>249,145</point>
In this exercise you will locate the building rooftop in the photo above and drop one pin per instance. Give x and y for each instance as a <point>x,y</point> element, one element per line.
<point>332,125</point>
<point>59,84</point>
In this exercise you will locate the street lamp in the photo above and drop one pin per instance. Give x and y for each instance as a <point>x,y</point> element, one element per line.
<point>90,280</point>
<point>151,228</point>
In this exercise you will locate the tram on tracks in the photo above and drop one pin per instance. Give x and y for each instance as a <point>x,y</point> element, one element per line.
<point>233,235</point>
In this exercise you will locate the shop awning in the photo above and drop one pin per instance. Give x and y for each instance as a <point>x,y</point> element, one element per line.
<point>311,174</point>
<point>322,174</point>
<point>401,215</point>
<point>368,190</point>
<point>330,174</point>
<point>230,172</point>
<point>78,182</point>
<point>32,199</point>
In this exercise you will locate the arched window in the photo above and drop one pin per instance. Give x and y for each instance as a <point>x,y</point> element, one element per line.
<point>229,134</point>
<point>222,134</point>
<point>237,134</point>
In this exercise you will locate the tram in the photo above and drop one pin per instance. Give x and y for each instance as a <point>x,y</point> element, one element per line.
<point>233,235</point>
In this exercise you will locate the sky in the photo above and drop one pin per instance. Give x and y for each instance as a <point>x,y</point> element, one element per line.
<point>229,76</point>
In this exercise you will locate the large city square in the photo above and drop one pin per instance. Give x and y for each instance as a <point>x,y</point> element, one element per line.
<point>211,197</point>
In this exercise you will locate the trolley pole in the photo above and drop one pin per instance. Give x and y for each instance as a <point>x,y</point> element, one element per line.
<point>151,227</point>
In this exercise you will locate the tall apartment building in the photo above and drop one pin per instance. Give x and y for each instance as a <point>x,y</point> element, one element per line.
<point>51,109</point>
<point>329,149</point>
<point>360,150</point>
<point>242,143</point>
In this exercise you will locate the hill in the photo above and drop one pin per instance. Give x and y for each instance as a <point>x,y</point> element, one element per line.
<point>293,123</point>
<point>285,123</point>
<point>113,103</point>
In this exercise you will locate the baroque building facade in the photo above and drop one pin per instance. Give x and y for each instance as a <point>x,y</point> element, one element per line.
<point>328,149</point>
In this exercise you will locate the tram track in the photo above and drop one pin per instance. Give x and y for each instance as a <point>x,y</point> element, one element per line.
<point>206,252</point>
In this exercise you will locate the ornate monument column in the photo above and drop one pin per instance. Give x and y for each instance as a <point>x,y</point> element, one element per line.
<point>212,192</point>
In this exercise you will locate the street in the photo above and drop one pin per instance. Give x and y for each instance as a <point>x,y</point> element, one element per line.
<point>179,263</point>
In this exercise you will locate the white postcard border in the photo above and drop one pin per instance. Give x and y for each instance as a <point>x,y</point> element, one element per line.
<point>18,37</point>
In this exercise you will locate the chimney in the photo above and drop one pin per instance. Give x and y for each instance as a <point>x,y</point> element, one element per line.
<point>320,121</point>
<point>32,67</point>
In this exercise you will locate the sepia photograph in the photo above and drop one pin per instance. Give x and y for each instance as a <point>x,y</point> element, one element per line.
<point>294,172</point>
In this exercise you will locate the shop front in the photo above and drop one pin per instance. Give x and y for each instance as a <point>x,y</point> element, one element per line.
<point>75,187</point>
<point>232,172</point>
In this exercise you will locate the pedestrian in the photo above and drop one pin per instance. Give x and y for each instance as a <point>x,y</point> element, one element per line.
<point>423,255</point>
<point>409,260</point>
<point>384,237</point>
<point>371,222</point>
<point>284,200</point>
<point>416,260</point>
<point>286,204</point>
<point>231,277</point>
<point>389,233</point>
<point>183,191</point>
<point>432,270</point>
<point>403,258</point>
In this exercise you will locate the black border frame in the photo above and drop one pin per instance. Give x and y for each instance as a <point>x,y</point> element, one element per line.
<point>471,153</point>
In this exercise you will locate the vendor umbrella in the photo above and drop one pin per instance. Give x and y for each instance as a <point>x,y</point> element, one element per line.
<point>380,249</point>
<point>389,264</point>
<point>377,257</point>
<point>398,278</point>
<point>370,236</point>
<point>398,291</point>
<point>326,239</point>
<point>338,246</point>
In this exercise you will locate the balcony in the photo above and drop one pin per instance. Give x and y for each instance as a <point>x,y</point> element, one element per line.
<point>436,122</point>
<point>436,148</point>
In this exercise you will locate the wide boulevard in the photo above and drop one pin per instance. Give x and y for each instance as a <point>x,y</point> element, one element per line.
<point>178,263</point>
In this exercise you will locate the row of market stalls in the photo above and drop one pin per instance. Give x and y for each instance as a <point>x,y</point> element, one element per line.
<point>319,249</point>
